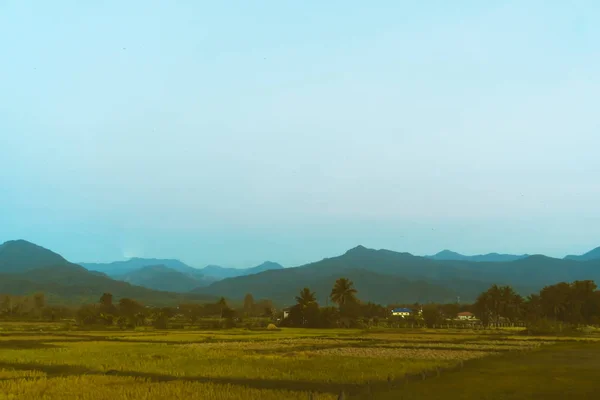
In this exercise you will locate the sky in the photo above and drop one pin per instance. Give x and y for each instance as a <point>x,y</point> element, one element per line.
<point>235,132</point>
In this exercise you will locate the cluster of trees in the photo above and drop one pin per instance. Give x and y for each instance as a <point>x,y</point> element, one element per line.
<point>576,303</point>
<point>573,304</point>
<point>128,313</point>
<point>32,307</point>
<point>349,310</point>
<point>20,306</point>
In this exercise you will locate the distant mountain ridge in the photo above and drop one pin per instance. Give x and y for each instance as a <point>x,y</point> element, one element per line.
<point>161,277</point>
<point>590,255</point>
<point>117,268</point>
<point>381,276</point>
<point>222,272</point>
<point>448,255</point>
<point>22,256</point>
<point>442,280</point>
<point>175,275</point>
<point>26,268</point>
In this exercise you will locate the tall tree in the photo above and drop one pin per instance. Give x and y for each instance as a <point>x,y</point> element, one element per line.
<point>432,315</point>
<point>555,299</point>
<point>306,308</point>
<point>222,304</point>
<point>39,302</point>
<point>533,308</point>
<point>106,300</point>
<point>306,298</point>
<point>343,292</point>
<point>248,304</point>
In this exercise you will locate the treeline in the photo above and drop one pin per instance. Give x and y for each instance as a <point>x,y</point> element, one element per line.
<point>563,304</point>
<point>30,307</point>
<point>554,308</point>
<point>350,312</point>
<point>128,313</point>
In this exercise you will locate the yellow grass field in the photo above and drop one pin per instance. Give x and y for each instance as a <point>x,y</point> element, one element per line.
<point>232,364</point>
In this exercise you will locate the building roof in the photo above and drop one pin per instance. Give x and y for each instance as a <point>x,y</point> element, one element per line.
<point>465,314</point>
<point>402,310</point>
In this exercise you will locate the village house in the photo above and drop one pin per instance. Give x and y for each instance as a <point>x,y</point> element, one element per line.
<point>402,312</point>
<point>465,315</point>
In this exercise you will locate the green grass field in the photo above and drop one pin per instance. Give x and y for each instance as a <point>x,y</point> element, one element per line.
<point>285,364</point>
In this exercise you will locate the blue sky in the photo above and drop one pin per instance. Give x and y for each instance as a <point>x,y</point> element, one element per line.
<point>292,131</point>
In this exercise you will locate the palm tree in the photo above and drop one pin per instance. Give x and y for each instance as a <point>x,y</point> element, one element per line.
<point>306,298</point>
<point>306,307</point>
<point>222,303</point>
<point>343,292</point>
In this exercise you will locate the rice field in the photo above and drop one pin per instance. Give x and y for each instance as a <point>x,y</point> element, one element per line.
<point>235,364</point>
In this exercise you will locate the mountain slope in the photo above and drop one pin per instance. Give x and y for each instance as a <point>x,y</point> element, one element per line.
<point>26,268</point>
<point>118,268</point>
<point>22,256</point>
<point>447,255</point>
<point>218,272</point>
<point>461,278</point>
<point>379,275</point>
<point>590,255</point>
<point>161,277</point>
<point>282,286</point>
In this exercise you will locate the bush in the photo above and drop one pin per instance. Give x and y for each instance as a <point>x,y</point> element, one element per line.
<point>272,327</point>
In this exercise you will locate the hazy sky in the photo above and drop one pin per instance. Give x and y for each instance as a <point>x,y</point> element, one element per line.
<point>235,132</point>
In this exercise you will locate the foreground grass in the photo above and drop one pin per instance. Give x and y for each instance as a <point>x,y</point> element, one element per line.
<point>235,364</point>
<point>566,370</point>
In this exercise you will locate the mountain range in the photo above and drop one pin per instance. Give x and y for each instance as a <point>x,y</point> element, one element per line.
<point>590,255</point>
<point>217,273</point>
<point>386,276</point>
<point>448,255</point>
<point>171,274</point>
<point>26,268</point>
<point>381,276</point>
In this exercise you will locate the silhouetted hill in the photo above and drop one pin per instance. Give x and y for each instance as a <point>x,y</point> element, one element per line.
<point>590,255</point>
<point>26,268</point>
<point>379,275</point>
<point>379,267</point>
<point>447,255</point>
<point>119,268</point>
<point>218,272</point>
<point>22,256</point>
<point>283,285</point>
<point>161,277</point>
<point>204,276</point>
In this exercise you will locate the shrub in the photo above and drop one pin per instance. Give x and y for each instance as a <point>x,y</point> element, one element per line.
<point>272,327</point>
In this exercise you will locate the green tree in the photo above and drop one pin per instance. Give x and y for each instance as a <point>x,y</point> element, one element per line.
<point>222,305</point>
<point>450,310</point>
<point>555,299</point>
<point>533,308</point>
<point>248,304</point>
<point>432,315</point>
<point>306,298</point>
<point>129,309</point>
<point>343,292</point>
<point>39,301</point>
<point>307,307</point>
<point>106,300</point>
